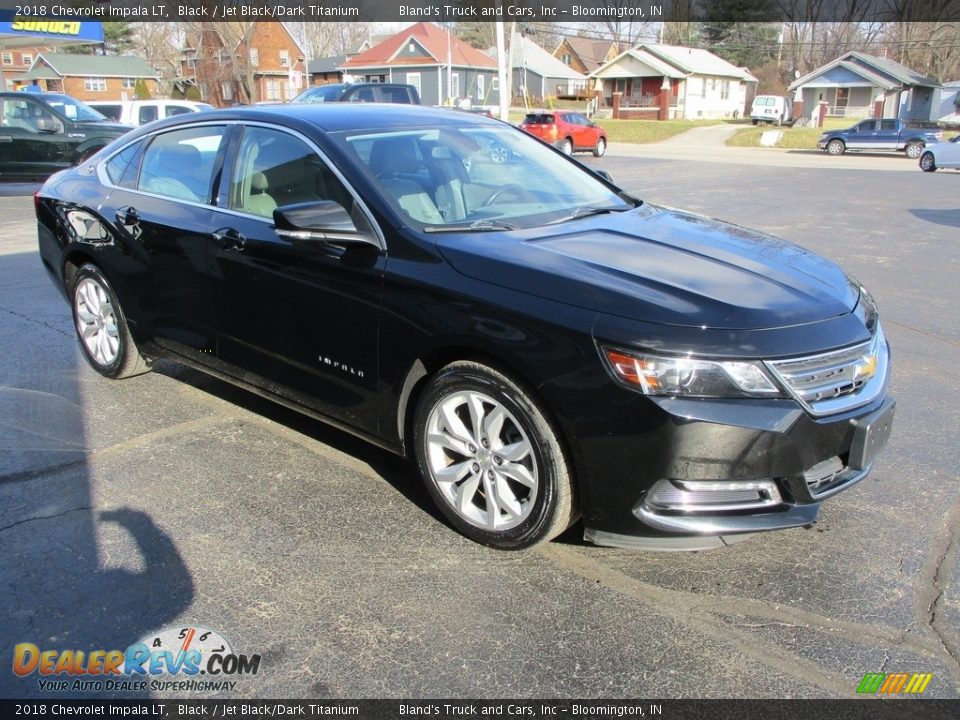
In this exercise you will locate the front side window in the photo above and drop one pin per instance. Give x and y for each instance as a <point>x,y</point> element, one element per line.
<point>180,164</point>
<point>488,177</point>
<point>274,168</point>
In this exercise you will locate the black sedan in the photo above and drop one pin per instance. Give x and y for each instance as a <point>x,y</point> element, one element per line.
<point>541,344</point>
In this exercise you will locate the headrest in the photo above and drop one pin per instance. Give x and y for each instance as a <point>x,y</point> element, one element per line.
<point>258,183</point>
<point>390,156</point>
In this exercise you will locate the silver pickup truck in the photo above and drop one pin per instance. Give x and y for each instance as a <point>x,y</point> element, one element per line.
<point>879,136</point>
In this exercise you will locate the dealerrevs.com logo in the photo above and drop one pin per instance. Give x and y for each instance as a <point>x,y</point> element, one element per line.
<point>180,659</point>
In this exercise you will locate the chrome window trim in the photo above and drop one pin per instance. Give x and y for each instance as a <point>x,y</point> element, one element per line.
<point>106,182</point>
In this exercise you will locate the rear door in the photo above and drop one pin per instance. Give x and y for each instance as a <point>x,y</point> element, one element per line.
<point>887,137</point>
<point>162,206</point>
<point>299,318</point>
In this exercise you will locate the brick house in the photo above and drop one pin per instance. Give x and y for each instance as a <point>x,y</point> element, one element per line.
<point>16,62</point>
<point>243,63</point>
<point>90,77</point>
<point>585,55</point>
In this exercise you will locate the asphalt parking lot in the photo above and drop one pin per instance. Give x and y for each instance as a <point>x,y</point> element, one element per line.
<point>172,499</point>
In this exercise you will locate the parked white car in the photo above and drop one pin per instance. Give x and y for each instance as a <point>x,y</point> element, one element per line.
<point>941,155</point>
<point>140,112</point>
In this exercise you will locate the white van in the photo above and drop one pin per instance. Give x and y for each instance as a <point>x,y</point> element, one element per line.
<point>140,112</point>
<point>772,109</point>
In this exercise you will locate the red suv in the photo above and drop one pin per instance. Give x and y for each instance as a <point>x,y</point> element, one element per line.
<point>567,130</point>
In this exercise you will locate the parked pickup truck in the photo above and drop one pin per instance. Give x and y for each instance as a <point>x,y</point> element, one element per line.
<point>879,135</point>
<point>140,112</point>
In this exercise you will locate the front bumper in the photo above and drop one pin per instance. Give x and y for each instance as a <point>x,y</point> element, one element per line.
<point>687,474</point>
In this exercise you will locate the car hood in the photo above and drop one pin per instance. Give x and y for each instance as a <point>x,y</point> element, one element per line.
<point>661,265</point>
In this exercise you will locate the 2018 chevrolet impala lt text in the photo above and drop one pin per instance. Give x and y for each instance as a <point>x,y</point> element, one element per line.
<point>541,344</point>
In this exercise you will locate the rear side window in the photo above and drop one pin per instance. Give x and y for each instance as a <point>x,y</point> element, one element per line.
<point>123,167</point>
<point>888,124</point>
<point>538,119</point>
<point>148,113</point>
<point>111,111</point>
<point>179,164</point>
<point>172,110</point>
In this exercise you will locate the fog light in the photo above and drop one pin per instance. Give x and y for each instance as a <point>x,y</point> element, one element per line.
<point>712,495</point>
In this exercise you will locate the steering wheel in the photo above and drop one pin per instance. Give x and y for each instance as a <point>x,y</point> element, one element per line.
<point>511,188</point>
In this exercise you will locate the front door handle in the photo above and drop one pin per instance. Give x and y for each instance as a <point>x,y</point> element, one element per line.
<point>128,216</point>
<point>229,239</point>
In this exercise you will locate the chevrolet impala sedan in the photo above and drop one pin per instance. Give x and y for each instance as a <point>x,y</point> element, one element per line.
<point>542,345</point>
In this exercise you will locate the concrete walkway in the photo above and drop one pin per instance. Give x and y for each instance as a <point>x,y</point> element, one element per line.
<point>709,136</point>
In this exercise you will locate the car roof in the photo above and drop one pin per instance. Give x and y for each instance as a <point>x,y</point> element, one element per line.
<point>333,117</point>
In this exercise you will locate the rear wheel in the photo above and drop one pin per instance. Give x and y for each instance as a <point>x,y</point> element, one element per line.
<point>927,162</point>
<point>567,146</point>
<point>600,148</point>
<point>102,327</point>
<point>490,458</point>
<point>913,150</point>
<point>836,147</point>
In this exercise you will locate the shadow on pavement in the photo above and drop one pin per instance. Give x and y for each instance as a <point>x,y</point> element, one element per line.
<point>58,591</point>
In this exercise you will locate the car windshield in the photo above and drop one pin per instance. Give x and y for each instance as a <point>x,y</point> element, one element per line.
<point>477,178</point>
<point>72,109</point>
<point>330,93</point>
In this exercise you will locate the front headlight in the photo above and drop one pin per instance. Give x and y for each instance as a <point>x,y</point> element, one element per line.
<point>688,377</point>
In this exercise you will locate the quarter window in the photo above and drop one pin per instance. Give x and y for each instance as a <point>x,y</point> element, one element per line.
<point>122,168</point>
<point>180,164</point>
<point>148,113</point>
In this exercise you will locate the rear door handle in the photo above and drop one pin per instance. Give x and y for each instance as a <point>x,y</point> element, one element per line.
<point>229,239</point>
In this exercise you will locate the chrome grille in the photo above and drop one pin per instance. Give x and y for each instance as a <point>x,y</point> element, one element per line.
<point>838,380</point>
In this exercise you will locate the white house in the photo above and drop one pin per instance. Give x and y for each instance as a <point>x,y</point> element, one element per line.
<point>670,82</point>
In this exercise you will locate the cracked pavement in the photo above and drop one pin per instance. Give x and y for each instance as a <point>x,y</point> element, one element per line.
<point>172,499</point>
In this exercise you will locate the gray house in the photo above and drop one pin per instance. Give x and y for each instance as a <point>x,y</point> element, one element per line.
<point>854,84</point>
<point>441,66</point>
<point>537,74</point>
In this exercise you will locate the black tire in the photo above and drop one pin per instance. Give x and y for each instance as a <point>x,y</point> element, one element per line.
<point>600,148</point>
<point>567,146</point>
<point>913,150</point>
<point>754,121</point>
<point>927,162</point>
<point>116,355</point>
<point>528,514</point>
<point>836,147</point>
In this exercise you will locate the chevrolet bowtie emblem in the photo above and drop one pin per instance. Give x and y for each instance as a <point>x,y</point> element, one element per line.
<point>865,368</point>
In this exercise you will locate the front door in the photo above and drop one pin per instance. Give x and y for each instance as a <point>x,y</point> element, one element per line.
<point>299,318</point>
<point>32,140</point>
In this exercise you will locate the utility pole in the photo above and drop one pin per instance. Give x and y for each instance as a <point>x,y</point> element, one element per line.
<point>502,64</point>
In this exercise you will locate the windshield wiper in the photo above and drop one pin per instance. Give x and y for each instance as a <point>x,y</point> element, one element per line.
<point>588,210</point>
<point>475,226</point>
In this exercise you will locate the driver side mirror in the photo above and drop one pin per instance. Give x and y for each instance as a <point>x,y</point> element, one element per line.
<point>324,221</point>
<point>49,125</point>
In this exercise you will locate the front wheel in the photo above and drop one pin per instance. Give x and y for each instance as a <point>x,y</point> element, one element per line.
<point>913,150</point>
<point>567,147</point>
<point>600,148</point>
<point>102,327</point>
<point>927,162</point>
<point>836,147</point>
<point>491,459</point>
